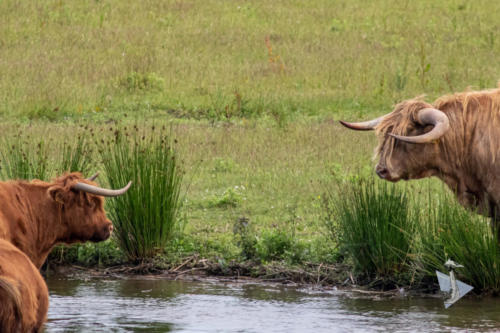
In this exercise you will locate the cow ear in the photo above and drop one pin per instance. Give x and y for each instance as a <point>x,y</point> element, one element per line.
<point>59,194</point>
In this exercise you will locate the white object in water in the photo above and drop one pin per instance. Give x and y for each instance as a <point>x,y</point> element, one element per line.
<point>449,284</point>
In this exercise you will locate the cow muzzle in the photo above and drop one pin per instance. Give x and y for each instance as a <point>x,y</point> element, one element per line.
<point>108,230</point>
<point>103,234</point>
<point>384,173</point>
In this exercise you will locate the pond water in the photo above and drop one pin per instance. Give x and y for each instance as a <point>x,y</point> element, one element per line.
<point>159,305</point>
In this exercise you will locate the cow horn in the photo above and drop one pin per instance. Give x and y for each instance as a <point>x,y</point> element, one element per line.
<point>363,126</point>
<point>100,191</point>
<point>93,177</point>
<point>428,116</point>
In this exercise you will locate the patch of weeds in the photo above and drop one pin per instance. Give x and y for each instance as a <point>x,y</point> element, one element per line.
<point>282,243</point>
<point>278,244</point>
<point>231,197</point>
<point>142,82</point>
<point>182,246</point>
<point>76,156</point>
<point>281,117</point>
<point>276,63</point>
<point>245,238</point>
<point>321,249</point>
<point>268,245</point>
<point>448,231</point>
<point>45,112</point>
<point>88,254</point>
<point>225,108</point>
<point>222,165</point>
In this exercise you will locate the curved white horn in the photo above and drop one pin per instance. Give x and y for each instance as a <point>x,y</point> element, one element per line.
<point>100,191</point>
<point>363,126</point>
<point>428,116</point>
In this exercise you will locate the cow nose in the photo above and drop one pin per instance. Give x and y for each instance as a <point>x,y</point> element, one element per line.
<point>110,228</point>
<point>382,172</point>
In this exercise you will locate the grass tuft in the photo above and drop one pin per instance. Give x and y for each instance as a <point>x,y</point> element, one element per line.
<point>144,218</point>
<point>24,158</point>
<point>451,232</point>
<point>372,223</point>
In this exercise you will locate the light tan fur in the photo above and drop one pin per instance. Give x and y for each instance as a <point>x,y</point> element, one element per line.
<point>465,158</point>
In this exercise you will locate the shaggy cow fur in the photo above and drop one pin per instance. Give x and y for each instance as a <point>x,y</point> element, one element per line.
<point>464,158</point>
<point>35,216</point>
<point>24,298</point>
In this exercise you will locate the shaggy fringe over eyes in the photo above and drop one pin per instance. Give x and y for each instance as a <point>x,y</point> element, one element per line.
<point>61,191</point>
<point>399,122</point>
<point>466,111</point>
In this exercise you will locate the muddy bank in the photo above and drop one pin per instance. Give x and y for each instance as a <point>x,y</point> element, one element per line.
<point>318,276</point>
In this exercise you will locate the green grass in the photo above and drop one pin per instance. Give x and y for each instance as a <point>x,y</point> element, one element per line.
<point>24,158</point>
<point>225,59</point>
<point>27,156</point>
<point>88,254</point>
<point>235,174</point>
<point>250,91</point>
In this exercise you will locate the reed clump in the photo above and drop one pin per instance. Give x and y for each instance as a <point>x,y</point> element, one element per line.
<point>390,237</point>
<point>145,218</point>
<point>27,156</point>
<point>372,222</point>
<point>448,231</point>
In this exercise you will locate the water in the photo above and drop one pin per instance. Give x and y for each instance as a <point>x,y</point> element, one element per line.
<point>158,305</point>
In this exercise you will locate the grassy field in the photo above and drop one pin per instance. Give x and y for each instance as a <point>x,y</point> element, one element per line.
<point>223,59</point>
<point>274,177</point>
<point>250,91</point>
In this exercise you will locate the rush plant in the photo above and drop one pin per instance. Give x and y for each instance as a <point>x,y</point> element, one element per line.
<point>22,157</point>
<point>146,217</point>
<point>373,224</point>
<point>76,156</point>
<point>448,231</point>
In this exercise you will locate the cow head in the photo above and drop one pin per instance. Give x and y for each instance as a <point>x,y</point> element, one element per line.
<point>407,136</point>
<point>80,207</point>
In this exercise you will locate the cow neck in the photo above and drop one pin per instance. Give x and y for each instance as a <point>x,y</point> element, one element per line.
<point>466,174</point>
<point>44,223</point>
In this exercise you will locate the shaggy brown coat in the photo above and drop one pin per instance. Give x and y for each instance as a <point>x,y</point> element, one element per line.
<point>35,216</point>
<point>465,158</point>
<point>24,298</point>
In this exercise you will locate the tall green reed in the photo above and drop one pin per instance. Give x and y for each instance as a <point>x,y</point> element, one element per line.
<point>146,217</point>
<point>373,224</point>
<point>23,157</point>
<point>385,234</point>
<point>76,155</point>
<point>448,231</point>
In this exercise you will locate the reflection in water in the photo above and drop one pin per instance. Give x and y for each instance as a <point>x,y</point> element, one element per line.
<point>153,305</point>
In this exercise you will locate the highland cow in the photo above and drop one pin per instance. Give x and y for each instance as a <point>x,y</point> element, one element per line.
<point>37,215</point>
<point>456,138</point>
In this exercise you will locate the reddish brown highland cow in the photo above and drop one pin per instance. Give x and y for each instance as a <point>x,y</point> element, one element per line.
<point>23,293</point>
<point>456,138</point>
<point>35,216</point>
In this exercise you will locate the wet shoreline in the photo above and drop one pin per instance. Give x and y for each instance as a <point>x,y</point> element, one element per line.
<point>190,274</point>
